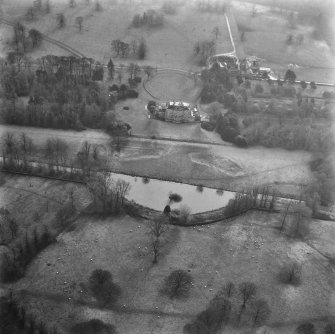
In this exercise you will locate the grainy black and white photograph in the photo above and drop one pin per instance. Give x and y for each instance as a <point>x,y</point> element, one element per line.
<point>167,167</point>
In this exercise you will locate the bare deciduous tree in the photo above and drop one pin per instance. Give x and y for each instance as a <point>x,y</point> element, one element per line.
<point>261,312</point>
<point>216,32</point>
<point>247,292</point>
<point>79,22</point>
<point>290,274</point>
<point>177,284</point>
<point>157,229</point>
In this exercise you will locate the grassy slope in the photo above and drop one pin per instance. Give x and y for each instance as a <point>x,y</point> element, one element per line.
<point>247,249</point>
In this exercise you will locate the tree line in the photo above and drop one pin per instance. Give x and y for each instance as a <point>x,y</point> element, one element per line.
<point>16,319</point>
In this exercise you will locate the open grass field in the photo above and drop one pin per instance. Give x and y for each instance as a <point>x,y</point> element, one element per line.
<point>169,46</point>
<point>248,249</point>
<point>265,37</point>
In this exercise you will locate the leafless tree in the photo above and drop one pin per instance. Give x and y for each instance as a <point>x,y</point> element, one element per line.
<point>133,70</point>
<point>134,46</point>
<point>261,312</point>
<point>299,224</point>
<point>177,284</point>
<point>79,22</point>
<point>108,195</point>
<point>148,70</point>
<point>156,230</point>
<point>61,20</point>
<point>216,32</point>
<point>285,216</point>
<point>56,150</point>
<point>247,292</point>
<point>228,290</point>
<point>290,274</point>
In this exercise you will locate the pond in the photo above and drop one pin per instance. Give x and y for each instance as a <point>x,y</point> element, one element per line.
<point>154,194</point>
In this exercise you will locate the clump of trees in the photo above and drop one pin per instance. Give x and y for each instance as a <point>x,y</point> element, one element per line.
<point>136,48</point>
<point>63,93</point>
<point>203,50</point>
<point>322,187</point>
<point>150,18</point>
<point>108,195</point>
<point>16,319</point>
<point>24,40</point>
<point>103,288</point>
<point>292,136</point>
<point>231,306</point>
<point>16,260</point>
<point>18,152</point>
<point>177,285</point>
<point>253,198</point>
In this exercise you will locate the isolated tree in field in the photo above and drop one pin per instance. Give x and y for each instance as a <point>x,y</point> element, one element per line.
<point>148,70</point>
<point>228,290</point>
<point>284,217</point>
<point>261,312</point>
<point>36,37</point>
<point>157,228</point>
<point>216,32</point>
<point>111,69</point>
<point>60,20</point>
<point>79,22</point>
<point>177,284</point>
<point>142,49</point>
<point>247,292</point>
<point>290,76</point>
<point>103,288</point>
<point>306,328</point>
<point>290,274</point>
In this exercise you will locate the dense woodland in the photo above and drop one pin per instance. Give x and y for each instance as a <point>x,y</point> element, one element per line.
<point>63,92</point>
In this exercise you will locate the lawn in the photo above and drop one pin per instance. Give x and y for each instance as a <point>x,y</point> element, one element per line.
<point>247,249</point>
<point>265,37</point>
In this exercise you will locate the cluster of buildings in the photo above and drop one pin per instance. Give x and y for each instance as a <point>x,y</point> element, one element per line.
<point>176,112</point>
